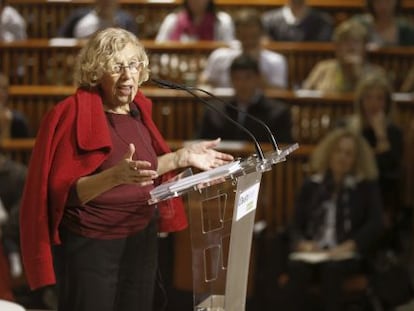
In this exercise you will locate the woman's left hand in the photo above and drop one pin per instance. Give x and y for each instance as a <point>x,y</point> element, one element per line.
<point>202,155</point>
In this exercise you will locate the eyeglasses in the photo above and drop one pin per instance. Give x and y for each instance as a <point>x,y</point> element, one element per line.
<point>134,67</point>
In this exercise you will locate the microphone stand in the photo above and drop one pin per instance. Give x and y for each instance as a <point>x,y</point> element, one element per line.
<point>269,132</point>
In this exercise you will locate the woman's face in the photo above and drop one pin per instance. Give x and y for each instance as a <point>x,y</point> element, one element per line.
<point>373,101</point>
<point>351,51</point>
<point>119,89</point>
<point>343,157</point>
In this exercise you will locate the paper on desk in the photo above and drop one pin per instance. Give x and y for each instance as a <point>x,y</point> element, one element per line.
<point>316,257</point>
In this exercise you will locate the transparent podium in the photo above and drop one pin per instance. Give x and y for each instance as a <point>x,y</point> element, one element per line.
<point>221,205</point>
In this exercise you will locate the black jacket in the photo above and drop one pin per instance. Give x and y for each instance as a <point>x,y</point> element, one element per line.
<point>358,216</point>
<point>275,114</point>
<point>123,20</point>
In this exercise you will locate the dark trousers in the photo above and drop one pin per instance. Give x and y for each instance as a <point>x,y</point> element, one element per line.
<point>107,275</point>
<point>328,275</point>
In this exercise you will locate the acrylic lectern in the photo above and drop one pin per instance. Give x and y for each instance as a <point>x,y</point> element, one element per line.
<point>221,205</point>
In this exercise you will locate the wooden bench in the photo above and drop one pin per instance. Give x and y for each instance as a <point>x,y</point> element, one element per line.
<point>178,114</point>
<point>51,62</point>
<point>278,187</point>
<point>44,17</point>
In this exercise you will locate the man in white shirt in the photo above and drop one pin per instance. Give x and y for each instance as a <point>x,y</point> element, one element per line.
<point>296,21</point>
<point>12,24</point>
<point>272,65</point>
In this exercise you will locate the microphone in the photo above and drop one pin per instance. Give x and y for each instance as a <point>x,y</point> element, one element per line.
<point>250,116</point>
<point>172,85</point>
<point>134,113</point>
<point>190,90</point>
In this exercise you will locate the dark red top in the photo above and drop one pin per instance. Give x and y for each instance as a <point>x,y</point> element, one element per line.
<point>123,210</point>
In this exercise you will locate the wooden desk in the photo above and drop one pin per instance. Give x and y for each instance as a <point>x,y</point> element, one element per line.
<point>51,62</point>
<point>278,186</point>
<point>44,17</point>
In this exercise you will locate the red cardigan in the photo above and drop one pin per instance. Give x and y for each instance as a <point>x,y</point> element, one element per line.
<point>73,141</point>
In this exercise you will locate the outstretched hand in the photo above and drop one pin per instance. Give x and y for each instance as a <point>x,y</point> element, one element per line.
<point>129,171</point>
<point>202,155</point>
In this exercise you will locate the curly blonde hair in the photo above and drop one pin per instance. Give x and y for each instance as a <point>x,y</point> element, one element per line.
<point>350,29</point>
<point>365,167</point>
<point>370,82</point>
<point>97,56</point>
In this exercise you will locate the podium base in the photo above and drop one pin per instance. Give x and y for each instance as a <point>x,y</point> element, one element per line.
<point>212,303</point>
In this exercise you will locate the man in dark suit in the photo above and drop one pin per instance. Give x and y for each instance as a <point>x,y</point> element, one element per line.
<point>248,97</point>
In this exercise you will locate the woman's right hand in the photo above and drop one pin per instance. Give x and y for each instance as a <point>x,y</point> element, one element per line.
<point>129,171</point>
<point>126,171</point>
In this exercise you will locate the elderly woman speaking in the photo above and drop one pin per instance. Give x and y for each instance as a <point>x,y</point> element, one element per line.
<point>85,220</point>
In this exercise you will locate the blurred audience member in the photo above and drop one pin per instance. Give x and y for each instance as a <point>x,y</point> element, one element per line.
<point>106,13</point>
<point>248,97</point>
<point>249,32</point>
<point>342,73</point>
<point>12,123</point>
<point>12,177</point>
<point>374,119</point>
<point>384,25</point>
<point>337,216</point>
<point>296,21</point>
<point>6,291</point>
<point>408,84</point>
<point>12,24</point>
<point>196,20</point>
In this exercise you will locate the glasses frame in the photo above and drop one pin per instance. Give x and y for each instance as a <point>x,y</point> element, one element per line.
<point>131,67</point>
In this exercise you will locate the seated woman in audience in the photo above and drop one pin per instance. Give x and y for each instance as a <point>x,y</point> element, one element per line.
<point>384,25</point>
<point>12,24</point>
<point>374,119</point>
<point>342,73</point>
<point>296,21</point>
<point>13,124</point>
<point>337,216</point>
<point>249,98</point>
<point>106,13</point>
<point>196,20</point>
<point>249,34</point>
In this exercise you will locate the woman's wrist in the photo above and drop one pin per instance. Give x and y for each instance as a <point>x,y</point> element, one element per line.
<point>181,158</point>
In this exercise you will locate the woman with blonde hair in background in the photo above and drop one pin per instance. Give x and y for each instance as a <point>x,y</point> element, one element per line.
<point>337,217</point>
<point>350,65</point>
<point>375,119</point>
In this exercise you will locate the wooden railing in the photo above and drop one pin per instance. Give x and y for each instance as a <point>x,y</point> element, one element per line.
<point>44,17</point>
<point>47,62</point>
<point>278,186</point>
<point>51,62</point>
<point>178,114</point>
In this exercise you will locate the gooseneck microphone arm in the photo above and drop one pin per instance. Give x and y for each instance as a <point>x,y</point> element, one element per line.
<point>171,85</point>
<point>269,132</point>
